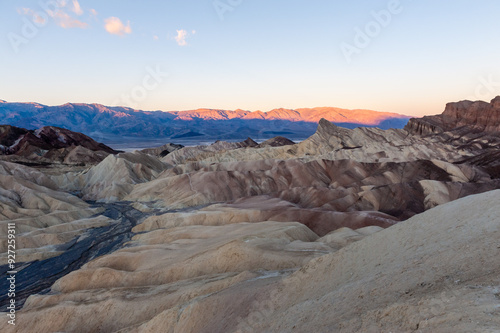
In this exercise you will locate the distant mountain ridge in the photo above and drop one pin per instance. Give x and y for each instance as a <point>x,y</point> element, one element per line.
<point>111,123</point>
<point>362,117</point>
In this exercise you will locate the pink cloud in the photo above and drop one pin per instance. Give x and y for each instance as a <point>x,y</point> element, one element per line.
<point>76,8</point>
<point>61,18</point>
<point>181,37</point>
<point>36,17</point>
<point>65,21</point>
<point>114,26</point>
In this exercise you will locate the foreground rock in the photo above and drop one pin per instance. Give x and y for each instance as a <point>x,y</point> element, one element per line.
<point>426,274</point>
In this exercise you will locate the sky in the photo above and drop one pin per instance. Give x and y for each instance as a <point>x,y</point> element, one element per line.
<point>404,56</point>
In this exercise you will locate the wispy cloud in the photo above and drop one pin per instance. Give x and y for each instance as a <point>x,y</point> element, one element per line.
<point>76,8</point>
<point>24,11</point>
<point>114,26</point>
<point>64,20</point>
<point>60,16</point>
<point>36,17</point>
<point>65,16</point>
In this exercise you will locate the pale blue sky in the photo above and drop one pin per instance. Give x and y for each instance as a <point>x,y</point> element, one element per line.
<point>262,55</point>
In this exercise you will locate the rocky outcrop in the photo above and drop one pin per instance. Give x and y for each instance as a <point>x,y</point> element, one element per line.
<point>162,151</point>
<point>489,160</point>
<point>425,126</point>
<point>198,152</point>
<point>51,144</point>
<point>474,116</point>
<point>9,135</point>
<point>278,141</point>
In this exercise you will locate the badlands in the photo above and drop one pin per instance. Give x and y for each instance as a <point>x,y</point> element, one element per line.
<point>350,230</point>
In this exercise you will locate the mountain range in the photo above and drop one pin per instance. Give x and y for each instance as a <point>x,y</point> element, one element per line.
<point>116,124</point>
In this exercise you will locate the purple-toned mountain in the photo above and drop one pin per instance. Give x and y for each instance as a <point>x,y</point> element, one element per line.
<point>113,123</point>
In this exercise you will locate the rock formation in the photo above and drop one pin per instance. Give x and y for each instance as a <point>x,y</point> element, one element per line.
<point>276,142</point>
<point>51,144</point>
<point>113,178</point>
<point>162,151</point>
<point>476,116</point>
<point>44,216</point>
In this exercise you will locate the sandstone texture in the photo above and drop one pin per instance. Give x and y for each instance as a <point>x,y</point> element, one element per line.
<point>437,272</point>
<point>44,216</point>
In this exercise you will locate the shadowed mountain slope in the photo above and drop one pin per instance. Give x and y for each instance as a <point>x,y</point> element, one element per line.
<point>115,124</point>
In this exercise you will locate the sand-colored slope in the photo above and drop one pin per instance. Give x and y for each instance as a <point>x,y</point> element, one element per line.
<point>113,178</point>
<point>397,189</point>
<point>265,208</point>
<point>43,216</point>
<point>164,271</point>
<point>437,272</point>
